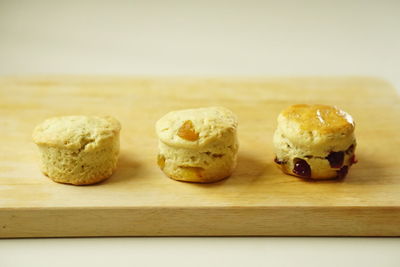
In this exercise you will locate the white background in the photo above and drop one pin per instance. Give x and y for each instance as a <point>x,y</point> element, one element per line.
<point>201,38</point>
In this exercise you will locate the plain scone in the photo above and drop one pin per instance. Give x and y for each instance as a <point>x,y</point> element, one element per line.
<point>78,150</point>
<point>315,141</point>
<point>198,145</point>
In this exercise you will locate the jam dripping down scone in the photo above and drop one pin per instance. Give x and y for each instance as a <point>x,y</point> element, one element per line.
<point>197,145</point>
<point>315,141</point>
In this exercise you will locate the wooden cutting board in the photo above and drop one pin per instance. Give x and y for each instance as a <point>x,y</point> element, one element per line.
<point>257,200</point>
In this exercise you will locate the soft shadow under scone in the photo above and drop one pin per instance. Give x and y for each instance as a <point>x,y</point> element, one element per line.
<point>198,145</point>
<point>315,141</point>
<point>78,150</point>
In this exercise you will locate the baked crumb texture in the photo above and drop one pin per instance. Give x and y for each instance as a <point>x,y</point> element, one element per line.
<point>315,141</point>
<point>198,145</point>
<point>78,150</point>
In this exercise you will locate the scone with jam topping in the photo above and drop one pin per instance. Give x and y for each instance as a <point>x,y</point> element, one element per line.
<point>315,141</point>
<point>198,145</point>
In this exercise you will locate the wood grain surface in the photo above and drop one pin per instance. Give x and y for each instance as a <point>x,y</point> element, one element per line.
<point>139,200</point>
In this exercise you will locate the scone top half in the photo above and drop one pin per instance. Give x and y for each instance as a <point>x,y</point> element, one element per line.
<point>320,135</point>
<point>316,128</point>
<point>78,149</point>
<point>197,128</point>
<point>198,145</point>
<point>76,132</point>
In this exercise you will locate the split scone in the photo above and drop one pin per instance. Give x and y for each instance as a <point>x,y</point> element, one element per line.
<point>198,145</point>
<point>315,141</point>
<point>78,150</point>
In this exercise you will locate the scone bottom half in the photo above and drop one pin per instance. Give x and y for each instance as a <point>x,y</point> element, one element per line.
<point>315,142</point>
<point>78,150</point>
<point>198,145</point>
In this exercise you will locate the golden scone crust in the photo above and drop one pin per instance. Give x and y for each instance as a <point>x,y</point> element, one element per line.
<point>78,149</point>
<point>315,141</point>
<point>198,145</point>
<point>322,118</point>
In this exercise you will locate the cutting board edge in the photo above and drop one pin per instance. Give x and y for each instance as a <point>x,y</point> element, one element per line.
<point>271,221</point>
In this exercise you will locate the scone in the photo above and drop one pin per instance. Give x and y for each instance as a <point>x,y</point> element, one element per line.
<point>78,150</point>
<point>315,141</point>
<point>198,145</point>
